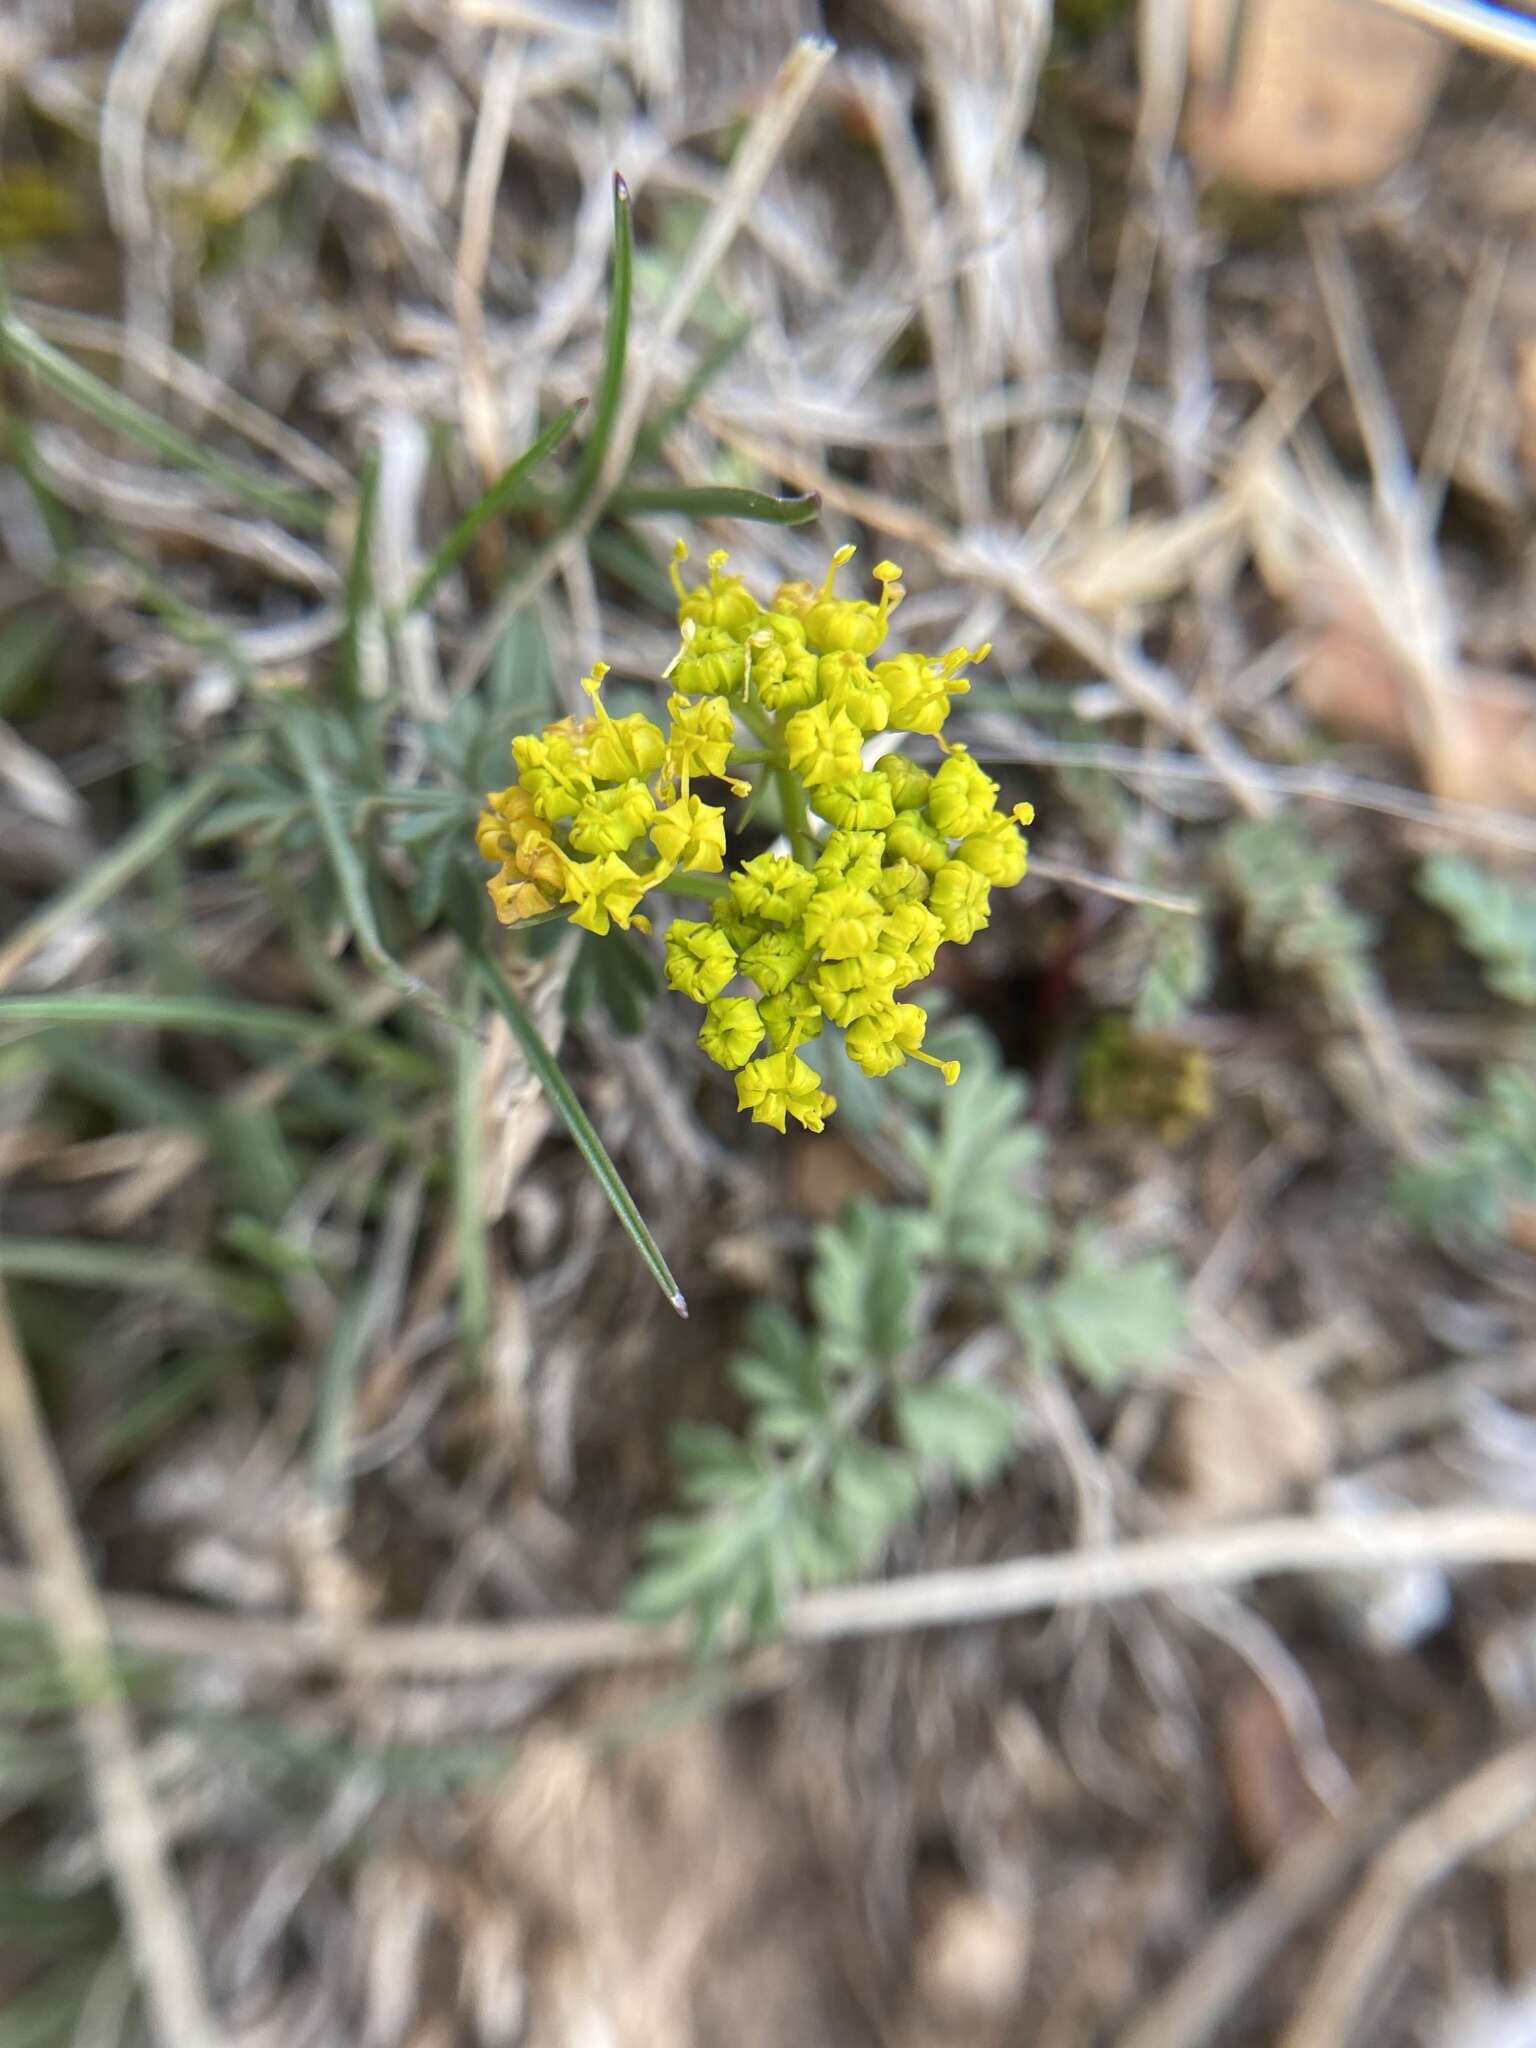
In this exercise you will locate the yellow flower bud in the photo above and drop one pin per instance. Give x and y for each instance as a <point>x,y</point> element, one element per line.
<point>791,1017</point>
<point>779,629</point>
<point>871,1043</point>
<point>774,887</point>
<point>732,1030</point>
<point>552,772</point>
<point>690,834</point>
<point>824,746</point>
<point>785,678</point>
<point>842,922</point>
<point>851,625</point>
<point>626,748</point>
<point>847,685</point>
<point>998,852</point>
<point>912,838</point>
<point>701,738</point>
<point>700,959</point>
<point>602,890</point>
<point>911,935</point>
<point>900,882</point>
<point>864,804</point>
<point>724,602</point>
<point>773,960</point>
<point>909,783</point>
<point>492,840</point>
<point>919,688</point>
<point>516,899</point>
<point>541,861</point>
<point>959,899</point>
<point>793,601</point>
<point>611,820</point>
<point>845,990</point>
<point>962,797</point>
<point>781,1083</point>
<point>710,663</point>
<point>849,856</point>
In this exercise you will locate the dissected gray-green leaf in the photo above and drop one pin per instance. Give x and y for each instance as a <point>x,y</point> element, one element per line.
<point>967,1430</point>
<point>1115,1321</point>
<point>1495,917</point>
<point>864,1282</point>
<point>1489,1167</point>
<point>1294,915</point>
<point>976,1162</point>
<point>1177,965</point>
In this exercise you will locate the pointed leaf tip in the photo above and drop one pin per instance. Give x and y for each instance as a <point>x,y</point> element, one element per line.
<point>620,189</point>
<point>680,1304</point>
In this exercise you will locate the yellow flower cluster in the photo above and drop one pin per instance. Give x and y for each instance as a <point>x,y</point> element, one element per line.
<point>832,930</point>
<point>601,812</point>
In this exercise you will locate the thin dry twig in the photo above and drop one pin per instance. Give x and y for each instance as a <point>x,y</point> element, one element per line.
<point>1224,1968</point>
<point>1479,1811</point>
<point>1006,563</point>
<point>61,1589</point>
<point>1228,1556</point>
<point>1308,785</point>
<point>1071,876</point>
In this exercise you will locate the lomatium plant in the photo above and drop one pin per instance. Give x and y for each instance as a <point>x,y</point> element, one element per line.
<point>886,862</point>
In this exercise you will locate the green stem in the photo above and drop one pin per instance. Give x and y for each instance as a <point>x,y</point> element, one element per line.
<point>797,818</point>
<point>705,888</point>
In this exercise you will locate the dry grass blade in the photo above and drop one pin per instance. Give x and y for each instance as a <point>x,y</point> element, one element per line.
<point>1223,1971</point>
<point>754,159</point>
<point>1498,31</point>
<point>61,1585</point>
<point>1491,1803</point>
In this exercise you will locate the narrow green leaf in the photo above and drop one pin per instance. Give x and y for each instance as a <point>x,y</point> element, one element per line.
<point>610,384</point>
<point>45,2016</point>
<point>218,1017</point>
<point>135,1421</point>
<point>563,1101</point>
<point>103,878</point>
<point>468,1205</point>
<point>620,973</point>
<point>335,1397</point>
<point>498,499</point>
<point>25,347</point>
<point>619,553</point>
<point>133,1269</point>
<point>25,646</point>
<point>303,742</point>
<point>713,501</point>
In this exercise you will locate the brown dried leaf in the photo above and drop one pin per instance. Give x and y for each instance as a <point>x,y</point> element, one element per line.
<point>1351,681</point>
<point>1238,1443</point>
<point>1272,1803</point>
<point>1328,94</point>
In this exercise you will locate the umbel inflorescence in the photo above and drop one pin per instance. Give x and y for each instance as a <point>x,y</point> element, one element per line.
<point>885,863</point>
